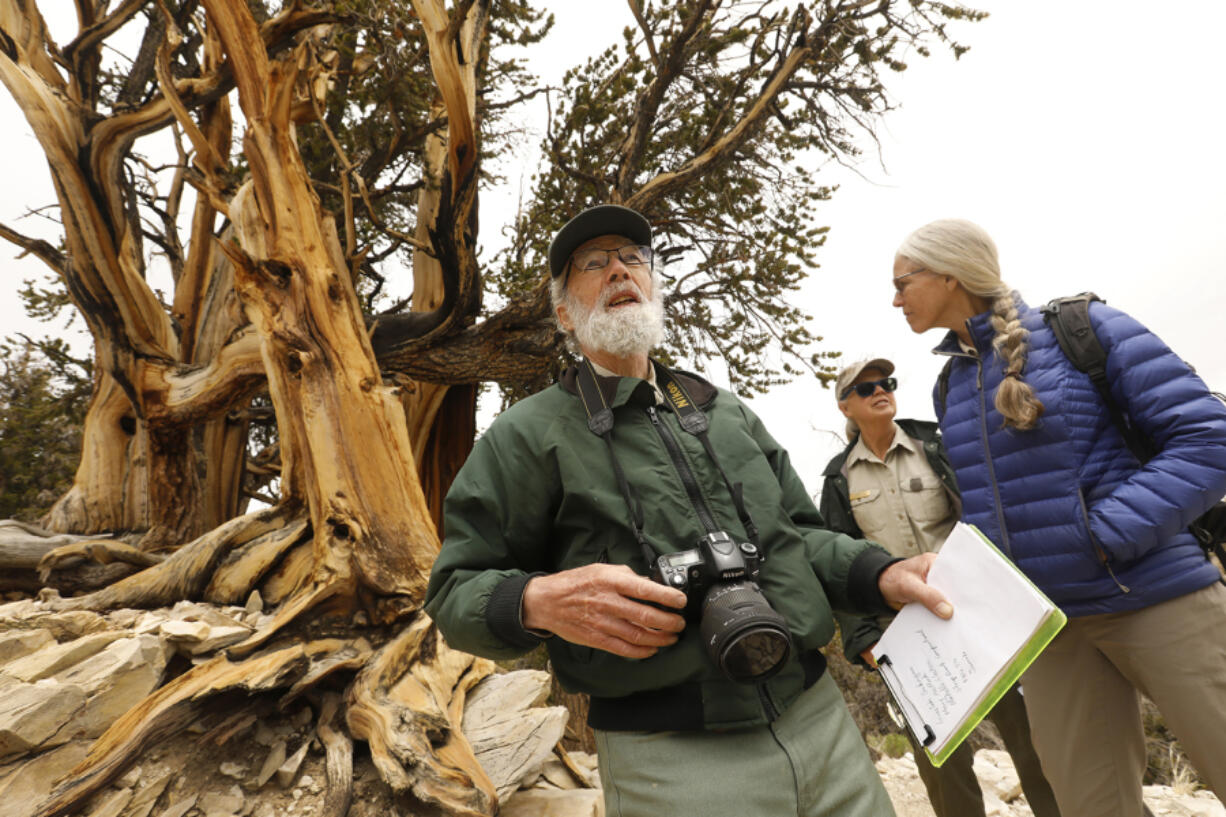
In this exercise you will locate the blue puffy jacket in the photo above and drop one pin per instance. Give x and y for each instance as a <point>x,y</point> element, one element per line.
<point>1067,501</point>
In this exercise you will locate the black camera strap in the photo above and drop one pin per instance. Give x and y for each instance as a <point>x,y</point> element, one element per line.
<point>600,423</point>
<point>692,420</point>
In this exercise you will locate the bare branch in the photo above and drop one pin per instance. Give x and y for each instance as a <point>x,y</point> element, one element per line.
<point>40,249</point>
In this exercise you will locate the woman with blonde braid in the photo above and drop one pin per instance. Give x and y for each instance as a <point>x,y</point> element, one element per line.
<point>1045,474</point>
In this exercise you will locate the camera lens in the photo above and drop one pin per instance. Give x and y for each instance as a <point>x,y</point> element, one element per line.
<point>743,634</point>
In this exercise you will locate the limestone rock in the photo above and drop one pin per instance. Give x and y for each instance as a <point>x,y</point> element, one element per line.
<point>146,797</point>
<point>217,804</point>
<point>52,659</point>
<point>198,629</point>
<point>555,773</point>
<point>177,631</point>
<point>289,769</point>
<point>32,715</point>
<point>30,781</point>
<point>235,770</point>
<point>506,691</point>
<point>129,779</point>
<point>18,643</point>
<point>254,608</point>
<point>554,803</point>
<point>179,807</point>
<point>511,745</point>
<point>110,804</point>
<point>115,680</point>
<point>276,756</point>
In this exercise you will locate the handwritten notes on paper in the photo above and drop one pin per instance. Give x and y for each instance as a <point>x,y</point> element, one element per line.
<point>943,669</point>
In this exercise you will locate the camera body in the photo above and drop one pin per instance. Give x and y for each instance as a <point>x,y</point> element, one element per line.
<point>743,635</point>
<point>718,558</point>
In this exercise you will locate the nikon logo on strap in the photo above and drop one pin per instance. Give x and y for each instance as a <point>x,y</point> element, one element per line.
<point>679,398</point>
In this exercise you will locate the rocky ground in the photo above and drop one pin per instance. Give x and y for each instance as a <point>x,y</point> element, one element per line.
<point>66,677</point>
<point>1002,793</point>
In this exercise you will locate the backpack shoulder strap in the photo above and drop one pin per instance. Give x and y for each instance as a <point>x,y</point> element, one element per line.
<point>1069,319</point>
<point>943,387</point>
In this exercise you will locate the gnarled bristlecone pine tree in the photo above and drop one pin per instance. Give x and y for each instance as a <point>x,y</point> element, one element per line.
<point>278,369</point>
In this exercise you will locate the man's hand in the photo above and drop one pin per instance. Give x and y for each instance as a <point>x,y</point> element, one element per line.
<point>601,606</point>
<point>907,581</point>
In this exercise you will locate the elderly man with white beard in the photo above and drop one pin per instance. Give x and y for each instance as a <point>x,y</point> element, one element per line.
<point>643,526</point>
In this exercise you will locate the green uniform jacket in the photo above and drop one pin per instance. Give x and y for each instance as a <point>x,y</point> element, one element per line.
<point>538,495</point>
<point>860,633</point>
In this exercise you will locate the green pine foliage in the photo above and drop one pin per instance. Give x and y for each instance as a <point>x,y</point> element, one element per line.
<point>43,397</point>
<point>739,236</point>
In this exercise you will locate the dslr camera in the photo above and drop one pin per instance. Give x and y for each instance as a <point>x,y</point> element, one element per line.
<point>745,637</point>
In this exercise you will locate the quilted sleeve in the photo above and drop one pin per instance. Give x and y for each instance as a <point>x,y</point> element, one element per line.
<point>1173,407</point>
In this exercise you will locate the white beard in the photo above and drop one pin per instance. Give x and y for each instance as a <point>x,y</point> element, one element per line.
<point>623,332</point>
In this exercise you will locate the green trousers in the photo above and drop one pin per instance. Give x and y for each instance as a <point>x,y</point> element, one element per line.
<point>811,762</point>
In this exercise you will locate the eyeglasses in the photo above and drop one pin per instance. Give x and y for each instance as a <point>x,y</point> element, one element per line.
<point>900,287</point>
<point>867,388</point>
<point>632,255</point>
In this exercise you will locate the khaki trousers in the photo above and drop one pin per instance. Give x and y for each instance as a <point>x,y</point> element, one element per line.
<point>954,790</point>
<point>811,762</point>
<point>1081,695</point>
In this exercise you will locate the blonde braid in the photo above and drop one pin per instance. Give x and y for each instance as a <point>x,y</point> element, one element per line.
<point>1015,399</point>
<point>965,251</point>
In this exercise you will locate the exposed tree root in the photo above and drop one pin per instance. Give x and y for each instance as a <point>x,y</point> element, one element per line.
<point>25,546</point>
<point>185,574</point>
<point>238,573</point>
<point>339,751</point>
<point>102,552</point>
<point>287,612</point>
<point>407,705</point>
<point>173,707</point>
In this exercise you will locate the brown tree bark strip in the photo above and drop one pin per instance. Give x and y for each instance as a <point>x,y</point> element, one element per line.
<point>168,709</point>
<point>291,575</point>
<point>406,704</point>
<point>349,658</point>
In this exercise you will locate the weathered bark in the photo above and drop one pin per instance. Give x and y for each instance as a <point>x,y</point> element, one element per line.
<point>340,428</point>
<point>187,572</point>
<point>408,704</point>
<point>139,471</point>
<point>338,749</point>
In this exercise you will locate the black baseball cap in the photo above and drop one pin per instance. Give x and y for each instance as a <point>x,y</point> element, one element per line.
<point>603,219</point>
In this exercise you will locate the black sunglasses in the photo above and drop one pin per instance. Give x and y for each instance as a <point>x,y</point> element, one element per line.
<point>867,388</point>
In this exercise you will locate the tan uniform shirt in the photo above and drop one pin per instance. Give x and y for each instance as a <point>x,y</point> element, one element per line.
<point>900,502</point>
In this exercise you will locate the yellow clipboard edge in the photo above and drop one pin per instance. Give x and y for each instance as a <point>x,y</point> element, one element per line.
<point>1038,642</point>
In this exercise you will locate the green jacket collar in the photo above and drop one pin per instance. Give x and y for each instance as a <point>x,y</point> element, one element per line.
<point>619,391</point>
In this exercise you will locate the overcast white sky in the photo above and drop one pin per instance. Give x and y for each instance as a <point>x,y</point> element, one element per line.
<point>1086,136</point>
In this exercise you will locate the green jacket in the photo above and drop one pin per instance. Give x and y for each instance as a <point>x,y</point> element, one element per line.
<point>860,633</point>
<point>538,495</point>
